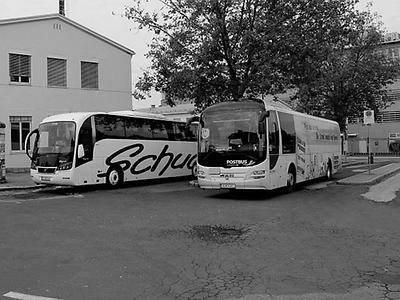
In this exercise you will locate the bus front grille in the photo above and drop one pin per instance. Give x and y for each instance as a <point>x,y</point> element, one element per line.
<point>47,170</point>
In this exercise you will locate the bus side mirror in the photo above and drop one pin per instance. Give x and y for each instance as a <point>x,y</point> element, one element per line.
<point>81,151</point>
<point>29,152</point>
<point>261,122</point>
<point>264,115</point>
<point>261,127</point>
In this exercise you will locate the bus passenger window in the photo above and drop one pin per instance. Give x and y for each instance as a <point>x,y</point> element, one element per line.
<point>273,134</point>
<point>138,129</point>
<point>179,131</point>
<point>159,130</point>
<point>191,132</point>
<point>288,132</point>
<point>109,127</point>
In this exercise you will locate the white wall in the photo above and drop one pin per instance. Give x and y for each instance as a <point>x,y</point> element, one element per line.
<point>41,39</point>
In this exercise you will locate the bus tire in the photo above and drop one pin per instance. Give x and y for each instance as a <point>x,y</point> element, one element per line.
<point>115,177</point>
<point>194,171</point>
<point>328,175</point>
<point>291,179</point>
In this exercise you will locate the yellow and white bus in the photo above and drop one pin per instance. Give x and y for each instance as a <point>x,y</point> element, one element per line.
<point>96,148</point>
<point>253,145</point>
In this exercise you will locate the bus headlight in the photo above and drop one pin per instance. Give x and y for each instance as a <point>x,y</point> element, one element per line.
<point>201,174</point>
<point>65,165</point>
<point>258,174</point>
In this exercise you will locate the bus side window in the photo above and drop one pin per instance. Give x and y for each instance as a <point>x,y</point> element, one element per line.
<point>273,136</point>
<point>288,132</point>
<point>111,127</point>
<point>179,131</point>
<point>138,129</point>
<point>159,130</point>
<point>170,130</point>
<point>85,139</point>
<point>191,132</point>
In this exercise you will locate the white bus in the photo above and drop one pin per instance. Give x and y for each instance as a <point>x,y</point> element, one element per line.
<point>252,145</point>
<point>96,148</point>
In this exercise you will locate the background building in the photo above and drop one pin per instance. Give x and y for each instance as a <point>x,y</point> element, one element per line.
<point>50,64</point>
<point>385,133</point>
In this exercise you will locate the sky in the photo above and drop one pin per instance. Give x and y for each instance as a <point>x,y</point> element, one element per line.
<point>105,17</point>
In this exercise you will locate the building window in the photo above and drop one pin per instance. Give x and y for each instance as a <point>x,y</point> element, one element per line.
<point>56,72</point>
<point>20,127</point>
<point>89,75</point>
<point>20,68</point>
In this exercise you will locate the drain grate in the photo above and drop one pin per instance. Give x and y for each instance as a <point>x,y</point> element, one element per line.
<point>218,233</point>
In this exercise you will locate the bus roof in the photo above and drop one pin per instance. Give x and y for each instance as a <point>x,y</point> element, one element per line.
<point>80,116</point>
<point>74,116</point>
<point>293,112</point>
<point>268,105</point>
<point>139,114</point>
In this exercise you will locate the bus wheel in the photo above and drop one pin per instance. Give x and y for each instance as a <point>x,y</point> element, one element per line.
<point>328,175</point>
<point>114,177</point>
<point>194,171</point>
<point>291,180</point>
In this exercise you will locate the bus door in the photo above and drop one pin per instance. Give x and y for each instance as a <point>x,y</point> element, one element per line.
<point>273,150</point>
<point>85,153</point>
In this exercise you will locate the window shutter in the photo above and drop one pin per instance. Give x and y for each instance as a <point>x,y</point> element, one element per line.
<point>56,72</point>
<point>14,64</point>
<point>20,65</point>
<point>89,75</point>
<point>25,65</point>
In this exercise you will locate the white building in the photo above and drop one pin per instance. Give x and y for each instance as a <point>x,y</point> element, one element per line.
<point>50,64</point>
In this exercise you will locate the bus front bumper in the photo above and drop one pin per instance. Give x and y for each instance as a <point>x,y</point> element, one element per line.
<point>244,184</point>
<point>56,178</point>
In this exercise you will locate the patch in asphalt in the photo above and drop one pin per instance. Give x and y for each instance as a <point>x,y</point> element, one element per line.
<point>218,234</point>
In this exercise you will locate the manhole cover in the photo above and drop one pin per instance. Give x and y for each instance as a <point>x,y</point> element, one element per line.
<point>218,233</point>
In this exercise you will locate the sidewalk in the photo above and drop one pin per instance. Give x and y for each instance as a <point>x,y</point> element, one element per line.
<point>16,181</point>
<point>372,177</point>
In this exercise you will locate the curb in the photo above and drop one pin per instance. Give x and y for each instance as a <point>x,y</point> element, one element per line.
<point>28,187</point>
<point>372,180</point>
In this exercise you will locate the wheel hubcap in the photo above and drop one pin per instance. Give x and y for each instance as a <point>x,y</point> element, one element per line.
<point>113,177</point>
<point>290,179</point>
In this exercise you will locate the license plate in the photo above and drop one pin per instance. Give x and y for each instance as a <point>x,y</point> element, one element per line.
<point>228,185</point>
<point>42,178</point>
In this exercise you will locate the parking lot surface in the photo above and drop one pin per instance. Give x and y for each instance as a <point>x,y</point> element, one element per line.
<point>172,240</point>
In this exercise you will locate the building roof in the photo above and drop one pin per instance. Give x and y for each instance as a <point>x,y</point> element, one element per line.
<point>69,21</point>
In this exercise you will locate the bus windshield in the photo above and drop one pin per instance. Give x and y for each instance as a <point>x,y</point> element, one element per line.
<point>230,138</point>
<point>54,145</point>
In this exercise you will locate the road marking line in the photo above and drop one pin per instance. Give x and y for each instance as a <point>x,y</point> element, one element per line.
<point>21,296</point>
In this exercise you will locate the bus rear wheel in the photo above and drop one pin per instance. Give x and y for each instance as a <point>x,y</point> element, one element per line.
<point>114,177</point>
<point>328,175</point>
<point>291,180</point>
<point>194,171</point>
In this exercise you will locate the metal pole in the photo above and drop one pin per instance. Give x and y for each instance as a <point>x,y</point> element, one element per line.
<point>369,150</point>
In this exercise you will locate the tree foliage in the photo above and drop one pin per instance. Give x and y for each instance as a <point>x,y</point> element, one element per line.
<point>351,76</point>
<point>216,50</point>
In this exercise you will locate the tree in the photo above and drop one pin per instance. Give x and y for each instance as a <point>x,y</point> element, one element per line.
<point>217,50</point>
<point>351,77</point>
